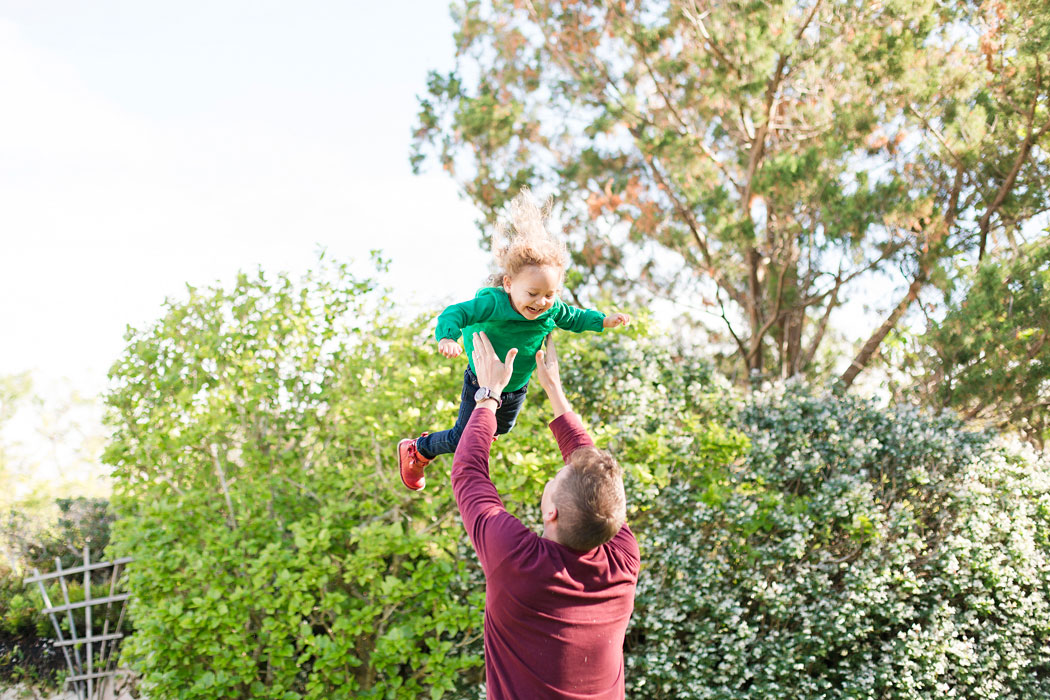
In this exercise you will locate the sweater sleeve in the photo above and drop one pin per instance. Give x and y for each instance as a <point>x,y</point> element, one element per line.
<point>625,547</point>
<point>494,533</point>
<point>455,318</point>
<point>571,318</point>
<point>569,432</point>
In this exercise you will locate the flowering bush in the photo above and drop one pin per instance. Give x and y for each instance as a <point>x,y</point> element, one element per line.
<point>855,552</point>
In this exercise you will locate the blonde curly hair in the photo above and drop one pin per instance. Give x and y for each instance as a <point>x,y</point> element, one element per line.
<point>524,240</point>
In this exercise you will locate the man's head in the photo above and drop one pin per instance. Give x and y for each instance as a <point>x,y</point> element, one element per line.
<point>584,505</point>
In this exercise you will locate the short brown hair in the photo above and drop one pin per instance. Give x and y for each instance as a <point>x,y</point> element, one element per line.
<point>590,500</point>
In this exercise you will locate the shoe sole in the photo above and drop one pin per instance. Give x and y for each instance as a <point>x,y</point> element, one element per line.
<point>397,451</point>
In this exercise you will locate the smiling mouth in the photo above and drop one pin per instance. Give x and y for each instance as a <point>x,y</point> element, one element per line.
<point>533,310</point>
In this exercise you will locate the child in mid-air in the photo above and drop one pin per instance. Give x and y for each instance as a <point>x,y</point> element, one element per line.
<point>517,311</point>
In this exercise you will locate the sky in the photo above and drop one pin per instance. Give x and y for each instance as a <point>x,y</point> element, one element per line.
<point>147,145</point>
<point>144,146</point>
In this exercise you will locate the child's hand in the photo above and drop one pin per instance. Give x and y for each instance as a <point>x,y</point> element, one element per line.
<point>616,320</point>
<point>449,348</point>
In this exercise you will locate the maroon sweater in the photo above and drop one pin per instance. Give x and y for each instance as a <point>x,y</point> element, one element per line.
<point>555,618</point>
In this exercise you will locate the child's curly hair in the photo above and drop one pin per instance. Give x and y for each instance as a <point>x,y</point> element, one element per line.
<point>525,240</point>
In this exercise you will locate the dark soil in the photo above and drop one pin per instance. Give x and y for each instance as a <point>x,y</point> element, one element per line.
<point>29,658</point>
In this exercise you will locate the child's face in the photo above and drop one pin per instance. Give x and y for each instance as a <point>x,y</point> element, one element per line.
<point>533,290</point>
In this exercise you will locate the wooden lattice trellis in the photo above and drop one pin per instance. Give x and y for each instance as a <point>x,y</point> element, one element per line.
<point>90,658</point>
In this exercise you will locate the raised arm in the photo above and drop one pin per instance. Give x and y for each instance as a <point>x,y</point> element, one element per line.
<point>566,426</point>
<point>493,531</point>
<point>549,377</point>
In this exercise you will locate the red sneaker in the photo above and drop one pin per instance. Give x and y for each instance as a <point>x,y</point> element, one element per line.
<point>411,464</point>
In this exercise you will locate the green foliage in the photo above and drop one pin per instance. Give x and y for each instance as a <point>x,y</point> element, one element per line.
<point>820,548</point>
<point>276,552</point>
<point>989,358</point>
<point>25,652</point>
<point>18,613</point>
<point>855,552</point>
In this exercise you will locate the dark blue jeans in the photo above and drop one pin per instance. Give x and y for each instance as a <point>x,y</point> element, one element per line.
<point>445,442</point>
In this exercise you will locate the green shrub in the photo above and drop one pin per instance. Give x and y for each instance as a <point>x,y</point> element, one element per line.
<point>277,553</point>
<point>36,536</point>
<point>856,553</point>
<point>20,615</point>
<point>822,548</point>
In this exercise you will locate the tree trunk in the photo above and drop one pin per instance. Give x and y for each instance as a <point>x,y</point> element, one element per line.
<point>792,316</point>
<point>754,358</point>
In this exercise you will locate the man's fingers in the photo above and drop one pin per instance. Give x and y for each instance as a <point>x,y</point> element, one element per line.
<point>481,341</point>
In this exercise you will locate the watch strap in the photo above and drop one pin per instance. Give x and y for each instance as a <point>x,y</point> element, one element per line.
<point>487,393</point>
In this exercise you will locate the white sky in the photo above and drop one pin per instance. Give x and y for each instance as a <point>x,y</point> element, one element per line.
<point>145,145</point>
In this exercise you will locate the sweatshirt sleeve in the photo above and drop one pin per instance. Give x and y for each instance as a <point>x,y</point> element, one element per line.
<point>625,547</point>
<point>569,432</point>
<point>455,318</point>
<point>571,318</point>
<point>493,531</point>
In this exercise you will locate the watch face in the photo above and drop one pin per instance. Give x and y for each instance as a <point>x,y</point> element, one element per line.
<point>487,393</point>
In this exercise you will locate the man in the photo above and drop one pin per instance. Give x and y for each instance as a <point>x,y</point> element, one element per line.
<point>556,606</point>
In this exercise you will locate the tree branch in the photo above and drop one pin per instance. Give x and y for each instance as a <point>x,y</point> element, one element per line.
<point>670,106</point>
<point>232,518</point>
<point>1031,137</point>
<point>929,127</point>
<point>872,344</point>
<point>773,318</point>
<point>822,327</point>
<point>739,343</point>
<point>697,18</point>
<point>984,223</point>
<point>694,228</point>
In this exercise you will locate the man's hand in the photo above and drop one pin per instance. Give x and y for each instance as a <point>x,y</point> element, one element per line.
<point>488,368</point>
<point>547,371</point>
<point>549,376</point>
<point>449,348</point>
<point>616,320</point>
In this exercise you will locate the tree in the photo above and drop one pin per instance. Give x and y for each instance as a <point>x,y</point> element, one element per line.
<point>757,159</point>
<point>984,160</point>
<point>989,357</point>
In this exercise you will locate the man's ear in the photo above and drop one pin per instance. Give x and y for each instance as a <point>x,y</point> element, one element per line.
<point>550,515</point>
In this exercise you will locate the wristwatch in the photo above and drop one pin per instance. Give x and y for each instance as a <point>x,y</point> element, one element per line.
<point>486,393</point>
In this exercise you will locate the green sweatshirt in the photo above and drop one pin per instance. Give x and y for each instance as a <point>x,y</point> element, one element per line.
<point>490,311</point>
